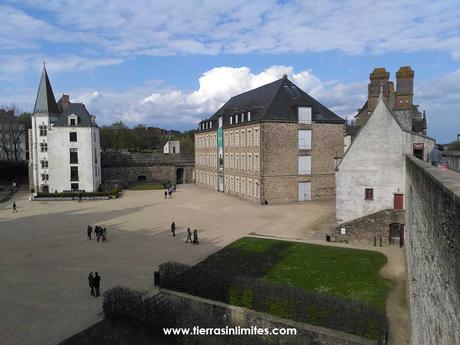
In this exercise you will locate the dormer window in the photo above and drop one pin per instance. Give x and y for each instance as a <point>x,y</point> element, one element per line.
<point>72,120</point>
<point>231,120</point>
<point>249,116</point>
<point>242,117</point>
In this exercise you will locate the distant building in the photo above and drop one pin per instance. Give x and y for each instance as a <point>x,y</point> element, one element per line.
<point>65,152</point>
<point>172,147</point>
<point>371,175</point>
<point>13,137</point>
<point>273,144</point>
<point>399,101</point>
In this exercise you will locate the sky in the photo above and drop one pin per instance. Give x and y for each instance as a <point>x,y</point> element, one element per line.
<point>172,63</point>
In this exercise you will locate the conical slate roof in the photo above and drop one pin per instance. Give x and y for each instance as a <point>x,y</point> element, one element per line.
<point>45,102</point>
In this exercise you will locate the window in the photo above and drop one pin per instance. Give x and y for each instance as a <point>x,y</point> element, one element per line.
<point>242,117</point>
<point>95,154</point>
<point>73,122</point>
<point>73,173</point>
<point>94,136</point>
<point>43,147</point>
<point>73,136</point>
<point>43,130</point>
<point>304,115</point>
<point>44,164</point>
<point>231,120</point>
<point>45,177</point>
<point>304,139</point>
<point>369,194</point>
<point>304,165</point>
<point>73,156</point>
<point>249,116</point>
<point>256,137</point>
<point>236,118</point>
<point>74,186</point>
<point>221,121</point>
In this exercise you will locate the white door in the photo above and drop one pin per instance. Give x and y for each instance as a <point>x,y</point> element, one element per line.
<point>304,191</point>
<point>221,183</point>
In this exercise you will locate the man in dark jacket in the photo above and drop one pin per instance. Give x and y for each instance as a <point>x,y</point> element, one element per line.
<point>89,231</point>
<point>173,229</point>
<point>96,284</point>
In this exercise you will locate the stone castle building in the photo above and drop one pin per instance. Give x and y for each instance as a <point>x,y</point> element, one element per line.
<point>272,144</point>
<point>65,147</point>
<point>399,101</point>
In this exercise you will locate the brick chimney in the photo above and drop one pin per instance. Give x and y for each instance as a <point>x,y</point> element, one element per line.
<point>64,102</point>
<point>379,77</point>
<point>404,88</point>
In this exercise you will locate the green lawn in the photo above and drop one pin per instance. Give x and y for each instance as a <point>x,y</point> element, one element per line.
<point>348,273</point>
<point>147,186</point>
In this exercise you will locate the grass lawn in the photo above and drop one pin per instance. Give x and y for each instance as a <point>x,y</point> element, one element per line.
<point>147,186</point>
<point>347,273</point>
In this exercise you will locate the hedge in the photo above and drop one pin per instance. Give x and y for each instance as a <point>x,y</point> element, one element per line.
<point>280,300</point>
<point>113,192</point>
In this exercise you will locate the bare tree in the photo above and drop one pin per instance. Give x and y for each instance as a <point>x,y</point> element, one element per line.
<point>13,130</point>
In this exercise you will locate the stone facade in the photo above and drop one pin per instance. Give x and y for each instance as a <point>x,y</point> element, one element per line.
<point>453,159</point>
<point>433,253</point>
<point>365,229</point>
<point>125,168</point>
<point>261,160</point>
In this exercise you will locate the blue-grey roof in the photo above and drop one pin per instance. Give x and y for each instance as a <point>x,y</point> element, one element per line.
<point>276,101</point>
<point>78,109</point>
<point>45,102</point>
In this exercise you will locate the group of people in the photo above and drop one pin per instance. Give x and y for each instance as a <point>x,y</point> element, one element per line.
<point>101,233</point>
<point>94,282</point>
<point>168,191</point>
<point>193,240</point>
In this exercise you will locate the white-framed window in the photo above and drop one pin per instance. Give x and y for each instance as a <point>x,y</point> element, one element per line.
<point>237,138</point>
<point>221,121</point>
<point>256,137</point>
<point>249,116</point>
<point>304,115</point>
<point>304,165</point>
<point>231,120</point>
<point>236,118</point>
<point>242,117</point>
<point>304,139</point>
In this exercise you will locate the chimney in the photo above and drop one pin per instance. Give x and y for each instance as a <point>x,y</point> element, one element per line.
<point>404,88</point>
<point>378,78</point>
<point>64,102</point>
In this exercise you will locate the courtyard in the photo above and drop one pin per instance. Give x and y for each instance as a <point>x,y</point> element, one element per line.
<point>45,255</point>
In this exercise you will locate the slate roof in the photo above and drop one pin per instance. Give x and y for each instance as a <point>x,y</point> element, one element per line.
<point>79,109</point>
<point>352,130</point>
<point>276,101</point>
<point>45,101</point>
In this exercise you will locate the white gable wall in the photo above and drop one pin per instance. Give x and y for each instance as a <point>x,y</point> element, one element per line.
<point>374,160</point>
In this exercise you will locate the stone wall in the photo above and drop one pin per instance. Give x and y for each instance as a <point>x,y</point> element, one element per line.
<point>433,253</point>
<point>453,159</point>
<point>207,313</point>
<point>376,225</point>
<point>127,167</point>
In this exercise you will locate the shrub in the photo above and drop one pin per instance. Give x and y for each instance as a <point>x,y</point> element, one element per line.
<point>122,303</point>
<point>75,195</point>
<point>170,273</point>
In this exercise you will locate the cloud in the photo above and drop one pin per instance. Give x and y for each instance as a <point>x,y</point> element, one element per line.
<point>167,27</point>
<point>173,108</point>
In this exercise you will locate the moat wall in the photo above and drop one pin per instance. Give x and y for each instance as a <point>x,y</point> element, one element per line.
<point>433,253</point>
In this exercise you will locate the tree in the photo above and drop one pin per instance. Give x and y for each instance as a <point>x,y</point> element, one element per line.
<point>13,134</point>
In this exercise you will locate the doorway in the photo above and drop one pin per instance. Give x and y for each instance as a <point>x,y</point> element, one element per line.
<point>397,234</point>
<point>180,176</point>
<point>418,150</point>
<point>304,191</point>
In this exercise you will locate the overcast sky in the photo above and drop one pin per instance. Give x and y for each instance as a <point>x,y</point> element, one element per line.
<point>171,63</point>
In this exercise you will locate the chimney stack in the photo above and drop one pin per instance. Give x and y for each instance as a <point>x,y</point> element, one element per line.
<point>404,88</point>
<point>64,102</point>
<point>378,78</point>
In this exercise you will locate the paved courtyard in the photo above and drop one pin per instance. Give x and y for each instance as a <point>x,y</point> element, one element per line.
<point>45,257</point>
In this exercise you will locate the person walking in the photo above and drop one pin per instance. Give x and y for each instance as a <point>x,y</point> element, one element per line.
<point>435,156</point>
<point>166,194</point>
<point>14,207</point>
<point>98,233</point>
<point>195,237</point>
<point>89,231</point>
<point>189,235</point>
<point>104,234</point>
<point>170,193</point>
<point>97,284</point>
<point>80,197</point>
<point>91,282</point>
<point>173,229</point>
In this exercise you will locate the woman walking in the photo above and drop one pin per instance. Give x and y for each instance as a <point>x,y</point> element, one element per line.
<point>91,282</point>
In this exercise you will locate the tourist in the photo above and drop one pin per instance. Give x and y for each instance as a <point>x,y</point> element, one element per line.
<point>14,207</point>
<point>96,284</point>
<point>104,234</point>
<point>173,229</point>
<point>174,188</point>
<point>189,235</point>
<point>91,282</point>
<point>166,194</point>
<point>195,237</point>
<point>170,193</point>
<point>89,231</point>
<point>435,156</point>
<point>98,233</point>
<point>80,197</point>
